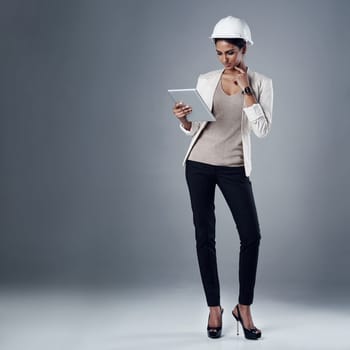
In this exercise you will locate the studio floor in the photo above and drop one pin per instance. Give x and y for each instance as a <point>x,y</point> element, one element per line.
<point>163,318</point>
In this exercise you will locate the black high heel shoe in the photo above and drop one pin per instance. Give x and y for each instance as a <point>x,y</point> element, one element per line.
<point>252,333</point>
<point>215,332</point>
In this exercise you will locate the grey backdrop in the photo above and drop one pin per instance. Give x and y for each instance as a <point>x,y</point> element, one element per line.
<point>92,186</point>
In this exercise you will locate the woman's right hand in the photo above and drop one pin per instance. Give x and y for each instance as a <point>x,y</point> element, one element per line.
<point>181,110</point>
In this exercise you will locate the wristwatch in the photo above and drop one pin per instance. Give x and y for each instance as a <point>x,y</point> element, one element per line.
<point>247,90</point>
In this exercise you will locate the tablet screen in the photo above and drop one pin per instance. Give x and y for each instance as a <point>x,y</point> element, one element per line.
<point>191,97</point>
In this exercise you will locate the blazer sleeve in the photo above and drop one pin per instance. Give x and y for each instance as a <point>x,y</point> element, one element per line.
<point>192,131</point>
<point>195,124</point>
<point>260,114</point>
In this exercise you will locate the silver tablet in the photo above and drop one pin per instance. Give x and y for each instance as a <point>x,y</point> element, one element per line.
<point>200,111</point>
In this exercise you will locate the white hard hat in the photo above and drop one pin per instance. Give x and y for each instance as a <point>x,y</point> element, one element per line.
<point>232,27</point>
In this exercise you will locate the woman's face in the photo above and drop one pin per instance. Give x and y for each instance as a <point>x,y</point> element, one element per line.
<point>229,55</point>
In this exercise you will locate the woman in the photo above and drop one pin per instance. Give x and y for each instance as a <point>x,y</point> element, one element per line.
<point>220,154</point>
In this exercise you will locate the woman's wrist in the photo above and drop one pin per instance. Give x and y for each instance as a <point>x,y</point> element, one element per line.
<point>247,90</point>
<point>249,97</point>
<point>185,123</point>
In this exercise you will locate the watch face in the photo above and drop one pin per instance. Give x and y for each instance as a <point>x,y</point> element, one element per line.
<point>248,90</point>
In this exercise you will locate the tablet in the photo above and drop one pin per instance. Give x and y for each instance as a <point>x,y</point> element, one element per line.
<point>200,111</point>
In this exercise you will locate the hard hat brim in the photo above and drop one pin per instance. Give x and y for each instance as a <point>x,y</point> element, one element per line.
<point>231,36</point>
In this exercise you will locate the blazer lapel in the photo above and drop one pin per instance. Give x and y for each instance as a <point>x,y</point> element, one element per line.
<point>207,90</point>
<point>207,93</point>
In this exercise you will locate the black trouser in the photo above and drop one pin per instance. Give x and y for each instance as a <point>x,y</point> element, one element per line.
<point>237,190</point>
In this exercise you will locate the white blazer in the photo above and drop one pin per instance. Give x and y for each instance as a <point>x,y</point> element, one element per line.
<point>257,117</point>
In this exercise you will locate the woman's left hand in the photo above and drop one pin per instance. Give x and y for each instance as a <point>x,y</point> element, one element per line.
<point>242,78</point>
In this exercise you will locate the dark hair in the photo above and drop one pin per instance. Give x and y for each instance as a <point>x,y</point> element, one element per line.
<point>234,41</point>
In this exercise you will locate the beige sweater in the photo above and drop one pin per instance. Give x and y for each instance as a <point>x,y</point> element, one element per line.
<point>220,143</point>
